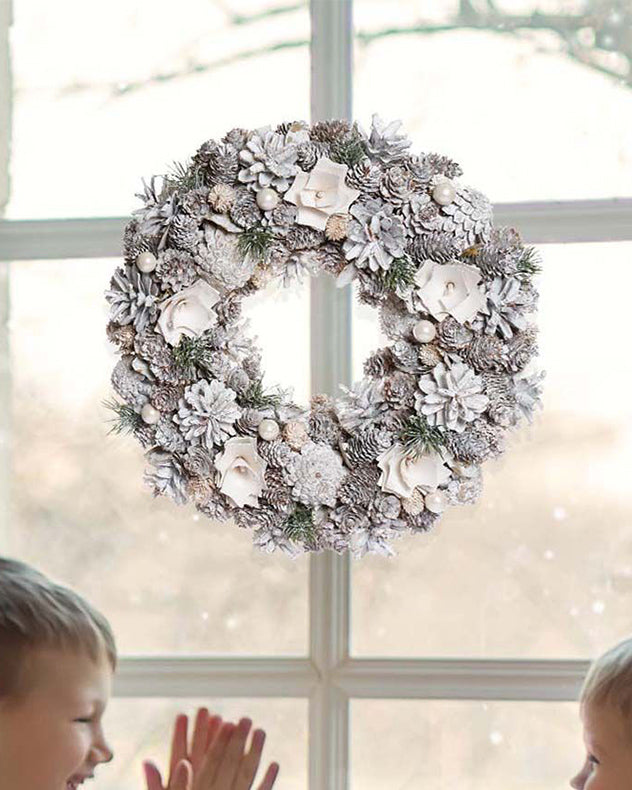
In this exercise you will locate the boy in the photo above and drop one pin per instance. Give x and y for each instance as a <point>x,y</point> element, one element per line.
<point>606,711</point>
<point>57,658</point>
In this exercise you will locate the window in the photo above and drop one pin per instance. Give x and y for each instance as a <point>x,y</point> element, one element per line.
<point>457,662</point>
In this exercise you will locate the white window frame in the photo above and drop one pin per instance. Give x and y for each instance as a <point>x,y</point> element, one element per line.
<point>329,677</point>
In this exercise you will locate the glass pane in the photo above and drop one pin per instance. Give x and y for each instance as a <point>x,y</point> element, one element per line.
<point>482,82</point>
<point>479,746</point>
<point>540,566</point>
<point>169,580</point>
<point>138,87</point>
<point>140,729</point>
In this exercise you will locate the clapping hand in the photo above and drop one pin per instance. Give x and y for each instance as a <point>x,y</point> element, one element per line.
<point>216,759</point>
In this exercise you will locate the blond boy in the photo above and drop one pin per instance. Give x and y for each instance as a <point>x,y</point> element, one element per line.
<point>57,659</point>
<point>606,712</point>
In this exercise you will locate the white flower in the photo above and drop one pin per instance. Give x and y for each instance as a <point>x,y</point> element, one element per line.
<point>241,471</point>
<point>189,312</point>
<point>315,474</point>
<point>450,289</point>
<point>402,473</point>
<point>321,193</point>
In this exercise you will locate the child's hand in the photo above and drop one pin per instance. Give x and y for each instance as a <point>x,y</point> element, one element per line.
<point>216,761</point>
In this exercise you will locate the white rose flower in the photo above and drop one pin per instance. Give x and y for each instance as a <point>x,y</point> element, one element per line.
<point>450,289</point>
<point>241,471</point>
<point>321,193</point>
<point>189,312</point>
<point>402,473</point>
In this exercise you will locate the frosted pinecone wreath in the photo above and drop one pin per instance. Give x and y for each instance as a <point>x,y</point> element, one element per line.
<point>454,296</point>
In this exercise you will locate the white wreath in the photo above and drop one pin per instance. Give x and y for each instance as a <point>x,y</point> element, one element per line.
<point>454,296</point>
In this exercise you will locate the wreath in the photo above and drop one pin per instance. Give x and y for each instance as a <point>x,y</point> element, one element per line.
<point>454,294</point>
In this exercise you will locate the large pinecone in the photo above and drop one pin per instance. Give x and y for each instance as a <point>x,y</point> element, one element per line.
<point>453,335</point>
<point>379,364</point>
<point>478,442</point>
<point>365,445</point>
<point>434,246</point>
<point>217,162</point>
<point>396,186</point>
<point>400,389</point>
<point>324,428</point>
<point>486,352</point>
<point>468,218</point>
<point>358,487</point>
<point>184,233</point>
<point>245,212</point>
<point>500,255</point>
<point>365,176</point>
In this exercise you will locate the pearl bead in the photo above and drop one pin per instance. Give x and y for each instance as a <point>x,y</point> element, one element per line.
<point>424,331</point>
<point>444,193</point>
<point>437,502</point>
<point>268,430</point>
<point>146,262</point>
<point>149,414</point>
<point>267,199</point>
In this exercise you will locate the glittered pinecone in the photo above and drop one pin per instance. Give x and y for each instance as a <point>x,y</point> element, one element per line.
<point>198,461</point>
<point>195,203</point>
<point>237,137</point>
<point>295,434</point>
<point>379,364</point>
<point>337,227</point>
<point>364,446</point>
<point>229,309</point>
<point>134,242</point>
<point>429,355</point>
<point>405,356</point>
<point>122,336</point>
<point>478,442</point>
<point>277,493</point>
<point>350,518</point>
<point>500,390</point>
<point>166,397</point>
<point>422,522</point>
<point>175,270</point>
<point>521,349</point>
<point>324,428</point>
<point>146,435</point>
<point>468,218</point>
<point>323,403</point>
<point>307,154</point>
<point>302,237</point>
<point>221,197</point>
<point>395,322</point>
<point>248,423</point>
<point>262,516</point>
<point>453,335</point>
<point>276,453</point>
<point>201,490</point>
<point>373,291</point>
<point>396,420</point>
<point>328,131</point>
<point>365,176</point>
<point>169,437</point>
<point>400,389</point>
<point>420,214</point>
<point>442,165</point>
<point>245,212</point>
<point>500,255</point>
<point>184,233</point>
<point>486,352</point>
<point>358,487</point>
<point>434,246</point>
<point>396,185</point>
<point>217,162</point>
<point>414,504</point>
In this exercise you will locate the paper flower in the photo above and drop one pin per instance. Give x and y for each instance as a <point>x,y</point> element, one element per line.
<point>402,473</point>
<point>450,289</point>
<point>189,312</point>
<point>241,471</point>
<point>321,193</point>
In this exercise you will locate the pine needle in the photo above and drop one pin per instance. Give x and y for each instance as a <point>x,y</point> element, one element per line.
<point>191,353</point>
<point>529,263</point>
<point>182,177</point>
<point>300,525</point>
<point>418,437</point>
<point>125,419</point>
<point>255,397</point>
<point>255,242</point>
<point>400,276</point>
<point>348,150</point>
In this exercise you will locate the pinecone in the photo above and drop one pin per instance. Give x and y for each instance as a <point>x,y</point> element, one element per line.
<point>415,504</point>
<point>442,165</point>
<point>134,242</point>
<point>379,364</point>
<point>146,435</point>
<point>228,310</point>
<point>277,493</point>
<point>221,197</point>
<point>451,396</point>
<point>184,233</point>
<point>166,397</point>
<point>217,162</point>
<point>153,348</point>
<point>365,176</point>
<point>302,237</point>
<point>420,214</point>
<point>364,446</point>
<point>486,352</point>
<point>307,154</point>
<point>133,298</point>
<point>468,218</point>
<point>478,442</point>
<point>216,508</point>
<point>280,219</point>
<point>521,349</point>
<point>255,518</point>
<point>500,255</point>
<point>337,227</point>
<point>276,453</point>
<point>453,335</point>
<point>167,476</point>
<point>400,390</point>
<point>123,336</point>
<point>198,462</point>
<point>237,137</point>
<point>133,388</point>
<point>175,270</point>
<point>245,212</point>
<point>195,203</point>
<point>358,487</point>
<point>396,185</point>
<point>385,143</point>
<point>405,356</point>
<point>324,428</point>
<point>429,355</point>
<point>295,434</point>
<point>350,518</point>
<point>395,321</point>
<point>422,522</point>
<point>201,490</point>
<point>327,131</point>
<point>434,246</point>
<point>248,423</point>
<point>169,437</point>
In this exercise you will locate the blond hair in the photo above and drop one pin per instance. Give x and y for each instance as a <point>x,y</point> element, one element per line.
<point>35,613</point>
<point>609,680</point>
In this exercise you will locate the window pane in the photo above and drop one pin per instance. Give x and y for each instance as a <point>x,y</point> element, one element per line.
<point>490,98</point>
<point>139,87</point>
<point>169,580</point>
<point>140,729</point>
<point>540,567</point>
<point>479,746</point>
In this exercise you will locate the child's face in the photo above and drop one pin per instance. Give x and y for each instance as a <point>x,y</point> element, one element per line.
<point>608,763</point>
<point>52,738</point>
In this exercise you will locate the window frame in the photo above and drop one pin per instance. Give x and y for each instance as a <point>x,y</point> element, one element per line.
<point>328,677</point>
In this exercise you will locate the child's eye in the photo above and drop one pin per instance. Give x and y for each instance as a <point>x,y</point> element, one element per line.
<point>593,760</point>
<point>85,720</point>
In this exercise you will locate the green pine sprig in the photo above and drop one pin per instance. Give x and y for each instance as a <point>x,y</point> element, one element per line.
<point>348,150</point>
<point>191,352</point>
<point>400,275</point>
<point>181,178</point>
<point>256,397</point>
<point>299,526</point>
<point>529,263</point>
<point>125,419</point>
<point>417,437</point>
<point>255,241</point>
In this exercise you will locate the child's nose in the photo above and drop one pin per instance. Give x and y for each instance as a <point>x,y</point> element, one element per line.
<point>103,751</point>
